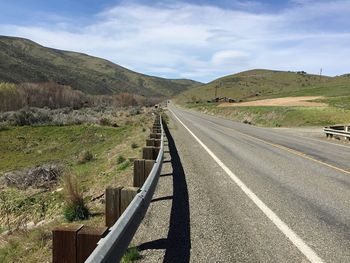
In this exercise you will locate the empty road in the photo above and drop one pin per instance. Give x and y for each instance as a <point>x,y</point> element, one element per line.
<point>256,194</point>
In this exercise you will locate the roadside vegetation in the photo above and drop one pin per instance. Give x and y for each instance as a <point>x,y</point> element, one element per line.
<point>257,85</point>
<point>54,167</point>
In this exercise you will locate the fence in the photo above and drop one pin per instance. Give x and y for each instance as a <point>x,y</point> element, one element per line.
<point>342,131</point>
<point>125,209</point>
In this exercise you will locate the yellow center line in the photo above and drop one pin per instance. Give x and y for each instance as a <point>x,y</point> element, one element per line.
<point>295,152</point>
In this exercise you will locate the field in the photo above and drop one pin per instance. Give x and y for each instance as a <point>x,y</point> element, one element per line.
<point>272,98</point>
<point>306,101</point>
<point>31,212</point>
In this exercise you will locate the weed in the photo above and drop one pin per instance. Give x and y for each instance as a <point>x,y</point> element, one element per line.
<point>134,145</point>
<point>85,156</point>
<point>120,159</point>
<point>75,208</point>
<point>105,122</point>
<point>124,165</point>
<point>9,250</point>
<point>131,255</point>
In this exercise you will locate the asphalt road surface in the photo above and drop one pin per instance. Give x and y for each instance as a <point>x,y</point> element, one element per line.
<point>248,194</point>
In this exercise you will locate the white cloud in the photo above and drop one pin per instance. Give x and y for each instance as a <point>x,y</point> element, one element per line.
<point>205,42</point>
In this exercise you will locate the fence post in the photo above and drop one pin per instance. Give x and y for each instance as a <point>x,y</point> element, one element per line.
<point>127,194</point>
<point>148,167</point>
<point>150,153</point>
<point>139,172</point>
<point>155,135</point>
<point>87,241</point>
<point>112,212</point>
<point>142,168</point>
<point>64,244</point>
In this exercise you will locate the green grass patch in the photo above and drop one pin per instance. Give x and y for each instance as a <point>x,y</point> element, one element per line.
<point>270,116</point>
<point>131,255</point>
<point>28,146</point>
<point>123,166</point>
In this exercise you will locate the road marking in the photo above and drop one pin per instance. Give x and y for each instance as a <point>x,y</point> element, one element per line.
<point>320,140</point>
<point>308,252</point>
<point>295,152</point>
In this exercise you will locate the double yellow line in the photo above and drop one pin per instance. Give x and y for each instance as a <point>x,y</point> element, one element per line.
<point>295,152</point>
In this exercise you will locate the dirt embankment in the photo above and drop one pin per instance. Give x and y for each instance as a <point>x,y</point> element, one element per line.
<point>306,101</point>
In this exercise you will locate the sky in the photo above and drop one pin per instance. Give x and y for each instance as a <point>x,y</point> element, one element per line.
<point>200,40</point>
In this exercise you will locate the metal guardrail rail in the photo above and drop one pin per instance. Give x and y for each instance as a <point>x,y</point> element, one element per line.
<point>343,131</point>
<point>112,247</point>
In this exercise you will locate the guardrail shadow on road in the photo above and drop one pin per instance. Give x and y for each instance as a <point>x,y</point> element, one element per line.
<point>178,242</point>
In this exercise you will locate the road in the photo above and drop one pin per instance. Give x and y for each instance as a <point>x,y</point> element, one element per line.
<point>256,194</point>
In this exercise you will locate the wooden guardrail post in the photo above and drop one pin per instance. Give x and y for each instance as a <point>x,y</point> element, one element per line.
<point>156,130</point>
<point>127,194</point>
<point>155,136</point>
<point>64,246</point>
<point>87,239</point>
<point>150,152</point>
<point>142,168</point>
<point>112,199</point>
<point>153,142</point>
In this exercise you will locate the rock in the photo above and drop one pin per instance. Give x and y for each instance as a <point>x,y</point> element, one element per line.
<point>30,225</point>
<point>58,190</point>
<point>41,223</point>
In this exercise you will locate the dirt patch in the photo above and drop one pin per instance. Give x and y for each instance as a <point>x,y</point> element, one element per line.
<point>305,101</point>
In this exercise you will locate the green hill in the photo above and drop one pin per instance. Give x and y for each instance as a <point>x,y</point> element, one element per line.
<point>23,60</point>
<point>259,84</point>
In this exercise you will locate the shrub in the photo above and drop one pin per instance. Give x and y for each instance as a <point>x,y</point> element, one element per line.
<point>124,165</point>
<point>120,159</point>
<point>31,117</point>
<point>75,208</point>
<point>85,156</point>
<point>76,211</point>
<point>134,145</point>
<point>105,122</point>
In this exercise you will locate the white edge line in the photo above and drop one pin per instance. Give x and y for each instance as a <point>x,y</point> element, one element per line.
<point>309,253</point>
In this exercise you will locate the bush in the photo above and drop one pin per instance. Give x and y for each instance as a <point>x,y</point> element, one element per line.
<point>76,211</point>
<point>86,156</point>
<point>120,159</point>
<point>105,122</point>
<point>134,145</point>
<point>31,117</point>
<point>75,208</point>
<point>124,165</point>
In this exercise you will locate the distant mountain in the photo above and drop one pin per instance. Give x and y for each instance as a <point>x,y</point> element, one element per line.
<point>22,60</point>
<point>262,83</point>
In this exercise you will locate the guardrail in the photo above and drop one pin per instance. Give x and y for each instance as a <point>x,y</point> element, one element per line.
<point>343,131</point>
<point>125,209</point>
<point>112,247</point>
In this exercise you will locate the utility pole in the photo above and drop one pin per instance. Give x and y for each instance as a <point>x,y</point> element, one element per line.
<point>320,73</point>
<point>216,91</point>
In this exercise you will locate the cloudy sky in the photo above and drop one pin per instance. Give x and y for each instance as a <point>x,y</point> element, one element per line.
<point>200,39</point>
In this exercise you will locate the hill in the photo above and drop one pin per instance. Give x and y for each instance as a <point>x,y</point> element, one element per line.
<point>260,83</point>
<point>23,60</point>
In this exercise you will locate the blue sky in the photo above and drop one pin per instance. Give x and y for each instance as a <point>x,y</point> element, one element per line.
<point>201,39</point>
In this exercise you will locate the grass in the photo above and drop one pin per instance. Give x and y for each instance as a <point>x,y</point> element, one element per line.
<point>27,146</point>
<point>25,61</point>
<point>131,255</point>
<point>36,246</point>
<point>262,84</point>
<point>270,116</point>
